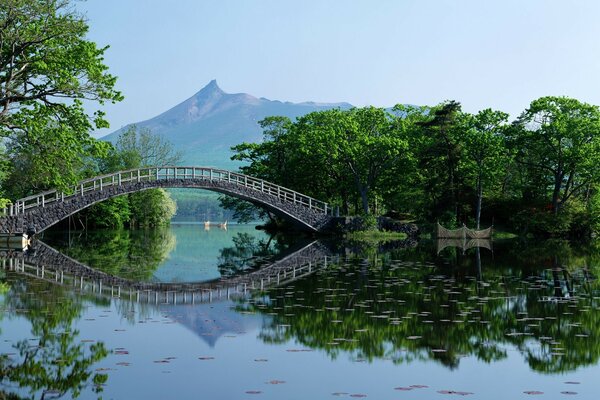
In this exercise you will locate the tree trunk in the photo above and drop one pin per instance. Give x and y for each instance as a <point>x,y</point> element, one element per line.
<point>365,199</point>
<point>556,193</point>
<point>479,199</point>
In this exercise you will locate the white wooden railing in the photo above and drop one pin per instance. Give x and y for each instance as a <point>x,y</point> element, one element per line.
<point>151,174</point>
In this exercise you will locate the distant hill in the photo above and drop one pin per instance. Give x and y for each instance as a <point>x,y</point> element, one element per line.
<point>206,125</point>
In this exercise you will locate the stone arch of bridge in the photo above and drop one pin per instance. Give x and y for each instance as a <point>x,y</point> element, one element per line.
<point>41,211</point>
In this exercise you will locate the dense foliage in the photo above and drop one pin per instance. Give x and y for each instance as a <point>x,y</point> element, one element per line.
<point>48,69</point>
<point>538,174</point>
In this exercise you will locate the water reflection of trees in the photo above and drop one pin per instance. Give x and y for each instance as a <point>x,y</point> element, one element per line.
<point>250,252</point>
<point>540,300</point>
<point>129,254</point>
<point>55,362</point>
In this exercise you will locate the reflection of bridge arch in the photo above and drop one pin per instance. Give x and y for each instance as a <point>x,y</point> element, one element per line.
<point>46,209</point>
<point>49,264</point>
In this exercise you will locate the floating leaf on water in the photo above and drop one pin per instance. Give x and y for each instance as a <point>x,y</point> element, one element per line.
<point>533,392</point>
<point>206,358</point>
<point>458,393</point>
<point>275,382</point>
<point>358,395</point>
<point>253,392</point>
<point>568,392</point>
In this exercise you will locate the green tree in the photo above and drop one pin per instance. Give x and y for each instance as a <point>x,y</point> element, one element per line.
<point>557,141</point>
<point>403,189</point>
<point>485,152</point>
<point>268,160</point>
<point>4,165</point>
<point>335,155</point>
<point>371,148</point>
<point>135,148</point>
<point>151,208</point>
<point>139,147</point>
<point>47,70</point>
<point>440,152</point>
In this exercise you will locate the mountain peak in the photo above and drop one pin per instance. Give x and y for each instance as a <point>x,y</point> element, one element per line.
<point>211,88</point>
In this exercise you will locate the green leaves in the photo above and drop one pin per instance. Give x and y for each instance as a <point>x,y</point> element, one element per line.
<point>557,141</point>
<point>47,70</point>
<point>336,155</point>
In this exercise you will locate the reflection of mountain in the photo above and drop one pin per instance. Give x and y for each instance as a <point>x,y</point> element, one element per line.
<point>214,321</point>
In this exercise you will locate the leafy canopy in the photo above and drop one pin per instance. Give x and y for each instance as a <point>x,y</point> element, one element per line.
<point>48,72</point>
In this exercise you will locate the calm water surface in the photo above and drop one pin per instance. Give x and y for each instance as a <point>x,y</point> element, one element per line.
<point>384,322</point>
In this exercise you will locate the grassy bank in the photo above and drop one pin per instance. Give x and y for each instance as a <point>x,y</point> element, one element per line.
<point>375,236</point>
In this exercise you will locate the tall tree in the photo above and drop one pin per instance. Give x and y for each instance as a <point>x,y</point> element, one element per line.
<point>139,147</point>
<point>440,156</point>
<point>372,149</point>
<point>558,138</point>
<point>45,57</point>
<point>485,151</point>
<point>47,70</point>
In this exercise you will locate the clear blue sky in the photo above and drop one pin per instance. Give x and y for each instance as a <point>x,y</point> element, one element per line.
<point>483,53</point>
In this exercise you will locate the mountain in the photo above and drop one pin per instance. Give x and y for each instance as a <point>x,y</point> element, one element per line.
<point>206,125</point>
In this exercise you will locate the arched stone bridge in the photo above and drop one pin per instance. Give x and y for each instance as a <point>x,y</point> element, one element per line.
<point>43,210</point>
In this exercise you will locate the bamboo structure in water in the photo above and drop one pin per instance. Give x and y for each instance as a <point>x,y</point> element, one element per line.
<point>462,233</point>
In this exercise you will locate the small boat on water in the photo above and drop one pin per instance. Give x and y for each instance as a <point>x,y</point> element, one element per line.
<point>222,225</point>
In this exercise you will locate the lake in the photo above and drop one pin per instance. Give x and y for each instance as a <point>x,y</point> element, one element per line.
<point>405,320</point>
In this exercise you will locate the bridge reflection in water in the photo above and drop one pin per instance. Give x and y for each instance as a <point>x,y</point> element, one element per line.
<point>43,262</point>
